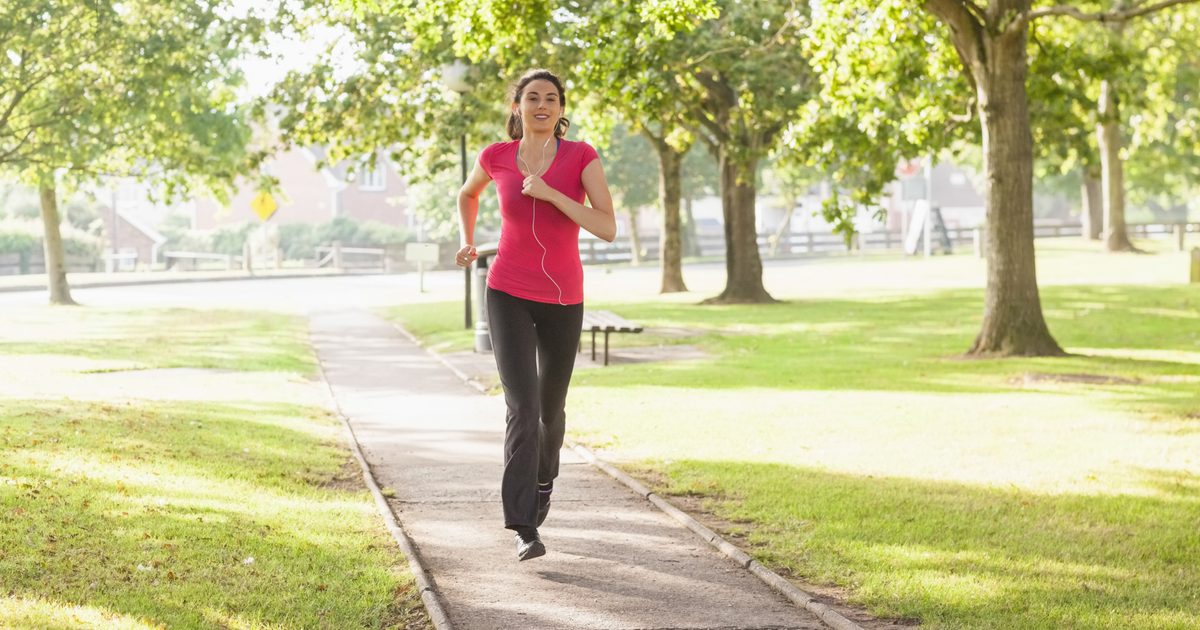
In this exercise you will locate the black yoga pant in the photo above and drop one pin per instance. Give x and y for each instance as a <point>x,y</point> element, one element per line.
<point>535,345</point>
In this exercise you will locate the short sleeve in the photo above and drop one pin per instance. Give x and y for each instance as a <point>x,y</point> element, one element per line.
<point>485,159</point>
<point>586,155</point>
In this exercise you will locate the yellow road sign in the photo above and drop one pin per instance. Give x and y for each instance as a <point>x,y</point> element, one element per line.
<point>263,205</point>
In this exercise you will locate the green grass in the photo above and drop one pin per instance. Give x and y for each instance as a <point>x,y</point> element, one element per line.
<point>854,445</point>
<point>187,514</point>
<point>439,325</point>
<point>956,555</point>
<point>163,338</point>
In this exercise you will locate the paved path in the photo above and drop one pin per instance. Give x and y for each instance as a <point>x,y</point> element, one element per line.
<point>614,561</point>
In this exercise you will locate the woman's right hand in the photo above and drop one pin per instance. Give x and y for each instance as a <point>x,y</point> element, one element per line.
<point>466,256</point>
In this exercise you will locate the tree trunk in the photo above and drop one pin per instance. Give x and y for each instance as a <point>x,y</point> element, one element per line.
<point>1108,133</point>
<point>56,264</point>
<point>1013,324</point>
<point>635,240</point>
<point>670,182</point>
<point>743,265</point>
<point>1093,205</point>
<point>691,238</point>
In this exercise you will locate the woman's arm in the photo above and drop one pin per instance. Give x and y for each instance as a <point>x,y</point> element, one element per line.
<point>468,212</point>
<point>598,218</point>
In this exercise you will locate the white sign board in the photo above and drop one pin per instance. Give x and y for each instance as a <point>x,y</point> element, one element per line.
<point>916,228</point>
<point>421,252</point>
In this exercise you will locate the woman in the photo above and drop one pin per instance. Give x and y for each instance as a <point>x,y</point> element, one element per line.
<point>535,285</point>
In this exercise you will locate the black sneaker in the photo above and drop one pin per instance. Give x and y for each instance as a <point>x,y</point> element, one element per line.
<point>529,545</point>
<point>543,502</point>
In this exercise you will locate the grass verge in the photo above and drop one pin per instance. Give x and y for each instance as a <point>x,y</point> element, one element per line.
<point>187,513</point>
<point>855,446</point>
<point>162,338</point>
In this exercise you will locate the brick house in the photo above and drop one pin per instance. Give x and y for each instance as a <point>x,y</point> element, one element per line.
<point>308,194</point>
<point>133,236</point>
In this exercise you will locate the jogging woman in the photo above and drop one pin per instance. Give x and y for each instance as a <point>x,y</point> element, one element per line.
<point>535,285</point>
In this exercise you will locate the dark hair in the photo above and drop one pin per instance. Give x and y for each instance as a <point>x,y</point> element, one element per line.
<point>515,131</point>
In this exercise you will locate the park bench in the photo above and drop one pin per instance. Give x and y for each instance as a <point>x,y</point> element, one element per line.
<point>605,322</point>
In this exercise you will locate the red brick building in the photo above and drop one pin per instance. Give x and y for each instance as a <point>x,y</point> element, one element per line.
<point>133,236</point>
<point>308,194</point>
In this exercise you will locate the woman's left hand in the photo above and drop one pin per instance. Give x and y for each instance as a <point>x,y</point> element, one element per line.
<point>537,188</point>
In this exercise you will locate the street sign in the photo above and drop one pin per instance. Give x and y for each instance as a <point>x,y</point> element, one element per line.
<point>263,205</point>
<point>421,252</point>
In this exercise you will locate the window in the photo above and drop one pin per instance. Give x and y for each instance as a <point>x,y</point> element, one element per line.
<point>372,178</point>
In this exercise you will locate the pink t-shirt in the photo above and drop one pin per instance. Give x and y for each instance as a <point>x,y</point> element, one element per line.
<point>517,268</point>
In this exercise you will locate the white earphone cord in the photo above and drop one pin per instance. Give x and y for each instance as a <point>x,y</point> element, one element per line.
<point>533,221</point>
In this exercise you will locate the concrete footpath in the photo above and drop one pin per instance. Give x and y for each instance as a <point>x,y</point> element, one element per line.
<point>614,561</point>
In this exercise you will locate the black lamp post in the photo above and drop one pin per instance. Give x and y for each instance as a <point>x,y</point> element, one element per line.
<point>454,76</point>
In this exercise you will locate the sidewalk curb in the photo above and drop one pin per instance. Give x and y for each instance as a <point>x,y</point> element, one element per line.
<point>797,596</point>
<point>803,599</point>
<point>429,595</point>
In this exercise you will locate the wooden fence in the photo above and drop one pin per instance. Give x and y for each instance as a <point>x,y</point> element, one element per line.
<point>35,262</point>
<point>592,251</point>
<point>802,244</point>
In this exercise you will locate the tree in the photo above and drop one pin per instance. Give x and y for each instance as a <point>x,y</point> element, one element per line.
<point>1164,130</point>
<point>891,90</point>
<point>138,88</point>
<point>631,70</point>
<point>1114,90</point>
<point>743,77</point>
<point>990,42</point>
<point>1065,58</point>
<point>631,173</point>
<point>698,179</point>
<point>1076,66</point>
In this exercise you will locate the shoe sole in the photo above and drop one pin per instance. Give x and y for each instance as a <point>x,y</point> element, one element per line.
<point>535,550</point>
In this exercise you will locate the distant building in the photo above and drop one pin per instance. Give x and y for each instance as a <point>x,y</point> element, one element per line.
<point>133,236</point>
<point>308,194</point>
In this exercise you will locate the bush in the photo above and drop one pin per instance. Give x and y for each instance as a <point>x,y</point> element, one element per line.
<point>26,237</point>
<point>19,236</point>
<point>300,240</point>
<point>231,239</point>
<point>297,240</point>
<point>339,229</point>
<point>380,234</point>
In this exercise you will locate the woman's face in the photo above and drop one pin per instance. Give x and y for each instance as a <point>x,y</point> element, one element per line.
<point>540,106</point>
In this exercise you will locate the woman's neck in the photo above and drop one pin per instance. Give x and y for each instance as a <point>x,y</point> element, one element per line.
<point>537,140</point>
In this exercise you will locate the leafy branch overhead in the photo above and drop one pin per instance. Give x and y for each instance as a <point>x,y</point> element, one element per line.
<point>143,89</point>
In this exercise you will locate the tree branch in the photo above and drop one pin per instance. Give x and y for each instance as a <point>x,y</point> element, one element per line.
<point>1107,16</point>
<point>7,155</point>
<point>980,13</point>
<point>966,32</point>
<point>955,13</point>
<point>723,101</point>
<point>652,137</point>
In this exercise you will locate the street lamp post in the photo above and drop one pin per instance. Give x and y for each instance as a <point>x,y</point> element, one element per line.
<point>454,75</point>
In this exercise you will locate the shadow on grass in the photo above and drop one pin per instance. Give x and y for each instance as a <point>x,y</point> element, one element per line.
<point>165,338</point>
<point>916,343</point>
<point>190,516</point>
<point>962,556</point>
